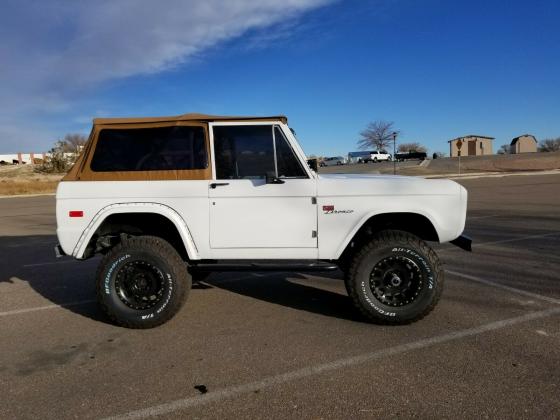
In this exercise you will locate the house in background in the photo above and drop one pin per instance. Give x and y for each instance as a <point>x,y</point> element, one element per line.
<point>526,143</point>
<point>472,145</point>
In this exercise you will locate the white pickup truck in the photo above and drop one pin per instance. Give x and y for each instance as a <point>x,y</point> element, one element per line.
<point>378,156</point>
<point>167,200</point>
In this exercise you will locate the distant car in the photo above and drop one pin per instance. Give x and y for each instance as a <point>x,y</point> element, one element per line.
<point>412,154</point>
<point>332,161</point>
<point>377,156</point>
<point>357,157</point>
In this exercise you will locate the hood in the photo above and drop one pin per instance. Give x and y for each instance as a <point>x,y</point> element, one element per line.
<point>371,184</point>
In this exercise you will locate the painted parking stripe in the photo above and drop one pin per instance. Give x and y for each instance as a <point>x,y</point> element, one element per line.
<point>450,247</point>
<point>504,287</point>
<point>46,307</point>
<point>50,263</point>
<point>306,372</point>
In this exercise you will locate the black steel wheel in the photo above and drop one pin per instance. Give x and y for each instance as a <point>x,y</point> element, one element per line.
<point>396,278</point>
<point>142,282</point>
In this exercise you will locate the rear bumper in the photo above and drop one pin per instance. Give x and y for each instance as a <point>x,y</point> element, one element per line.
<point>463,242</point>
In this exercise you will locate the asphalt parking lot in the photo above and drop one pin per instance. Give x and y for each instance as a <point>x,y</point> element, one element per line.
<point>291,345</point>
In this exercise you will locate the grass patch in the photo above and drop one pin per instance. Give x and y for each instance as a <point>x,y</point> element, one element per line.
<point>27,187</point>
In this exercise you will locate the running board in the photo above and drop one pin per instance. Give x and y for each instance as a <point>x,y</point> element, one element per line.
<point>264,266</point>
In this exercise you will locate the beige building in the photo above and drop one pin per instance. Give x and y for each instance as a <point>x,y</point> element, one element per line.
<point>471,145</point>
<point>524,144</point>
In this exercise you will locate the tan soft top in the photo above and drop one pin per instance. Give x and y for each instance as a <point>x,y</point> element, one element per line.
<point>81,170</point>
<point>185,117</point>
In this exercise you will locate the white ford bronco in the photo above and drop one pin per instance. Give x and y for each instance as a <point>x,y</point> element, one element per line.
<point>168,200</point>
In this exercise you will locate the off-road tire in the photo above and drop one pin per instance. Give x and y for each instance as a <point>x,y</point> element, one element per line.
<point>401,249</point>
<point>151,257</point>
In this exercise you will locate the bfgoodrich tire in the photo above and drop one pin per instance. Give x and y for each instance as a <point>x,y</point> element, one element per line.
<point>395,279</point>
<point>142,282</point>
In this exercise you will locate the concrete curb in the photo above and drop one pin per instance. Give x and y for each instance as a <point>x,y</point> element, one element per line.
<point>26,195</point>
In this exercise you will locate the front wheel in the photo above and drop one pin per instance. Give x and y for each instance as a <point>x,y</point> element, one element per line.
<point>142,282</point>
<point>395,279</point>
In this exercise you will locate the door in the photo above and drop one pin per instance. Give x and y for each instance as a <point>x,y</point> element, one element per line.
<point>245,210</point>
<point>472,148</point>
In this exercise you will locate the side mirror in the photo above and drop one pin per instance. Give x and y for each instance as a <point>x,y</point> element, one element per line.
<point>272,179</point>
<point>313,164</point>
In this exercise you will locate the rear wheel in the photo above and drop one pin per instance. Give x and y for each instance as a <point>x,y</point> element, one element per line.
<point>142,282</point>
<point>395,279</point>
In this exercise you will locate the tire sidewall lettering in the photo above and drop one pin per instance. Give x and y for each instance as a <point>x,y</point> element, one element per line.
<point>376,255</point>
<point>110,291</point>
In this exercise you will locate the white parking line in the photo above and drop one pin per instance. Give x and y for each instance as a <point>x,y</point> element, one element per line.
<point>451,247</point>
<point>305,372</point>
<point>502,241</point>
<point>48,263</point>
<point>504,287</point>
<point>42,308</point>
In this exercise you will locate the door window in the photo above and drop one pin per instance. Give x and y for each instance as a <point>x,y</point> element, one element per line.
<point>253,152</point>
<point>288,164</point>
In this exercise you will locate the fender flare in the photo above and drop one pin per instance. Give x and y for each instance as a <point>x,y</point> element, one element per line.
<point>137,207</point>
<point>369,215</point>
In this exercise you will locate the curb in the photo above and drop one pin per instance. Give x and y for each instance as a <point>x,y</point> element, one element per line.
<point>26,195</point>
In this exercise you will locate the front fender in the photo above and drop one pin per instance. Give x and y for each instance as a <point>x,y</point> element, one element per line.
<point>369,215</point>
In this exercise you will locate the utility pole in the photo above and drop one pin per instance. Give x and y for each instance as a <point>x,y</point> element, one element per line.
<point>459,145</point>
<point>394,152</point>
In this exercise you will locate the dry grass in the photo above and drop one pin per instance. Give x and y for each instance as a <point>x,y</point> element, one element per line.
<point>27,187</point>
<point>15,180</point>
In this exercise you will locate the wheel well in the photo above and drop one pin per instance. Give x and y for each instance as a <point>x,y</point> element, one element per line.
<point>110,232</point>
<point>414,223</point>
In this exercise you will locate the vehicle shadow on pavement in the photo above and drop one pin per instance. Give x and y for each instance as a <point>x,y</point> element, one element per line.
<point>280,289</point>
<point>65,282</point>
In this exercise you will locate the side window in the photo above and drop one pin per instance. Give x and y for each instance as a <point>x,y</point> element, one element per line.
<point>287,163</point>
<point>150,149</point>
<point>243,151</point>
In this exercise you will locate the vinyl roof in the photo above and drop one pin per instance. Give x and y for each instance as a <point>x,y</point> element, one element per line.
<point>186,117</point>
<point>470,136</point>
<point>523,135</point>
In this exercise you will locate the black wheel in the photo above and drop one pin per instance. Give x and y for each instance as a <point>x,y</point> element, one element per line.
<point>395,279</point>
<point>142,282</point>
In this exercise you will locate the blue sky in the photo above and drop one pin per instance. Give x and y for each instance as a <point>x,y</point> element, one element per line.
<point>438,69</point>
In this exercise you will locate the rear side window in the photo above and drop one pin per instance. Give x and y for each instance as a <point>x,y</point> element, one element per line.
<point>150,149</point>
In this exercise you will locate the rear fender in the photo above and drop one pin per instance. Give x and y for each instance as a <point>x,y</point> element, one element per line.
<point>157,208</point>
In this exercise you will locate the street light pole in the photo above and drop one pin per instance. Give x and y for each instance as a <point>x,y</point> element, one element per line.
<point>394,152</point>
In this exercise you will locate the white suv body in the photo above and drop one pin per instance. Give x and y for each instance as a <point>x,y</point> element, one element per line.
<point>282,216</point>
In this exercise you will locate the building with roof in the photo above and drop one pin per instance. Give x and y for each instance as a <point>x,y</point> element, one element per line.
<point>525,143</point>
<point>471,145</point>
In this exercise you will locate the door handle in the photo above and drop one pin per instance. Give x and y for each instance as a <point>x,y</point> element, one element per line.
<point>213,185</point>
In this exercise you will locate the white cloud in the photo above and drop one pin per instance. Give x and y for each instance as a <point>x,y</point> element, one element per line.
<point>52,52</point>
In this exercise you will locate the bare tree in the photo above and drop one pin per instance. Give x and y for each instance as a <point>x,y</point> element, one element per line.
<point>378,135</point>
<point>504,149</point>
<point>73,142</point>
<point>550,145</point>
<point>438,155</point>
<point>415,146</point>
